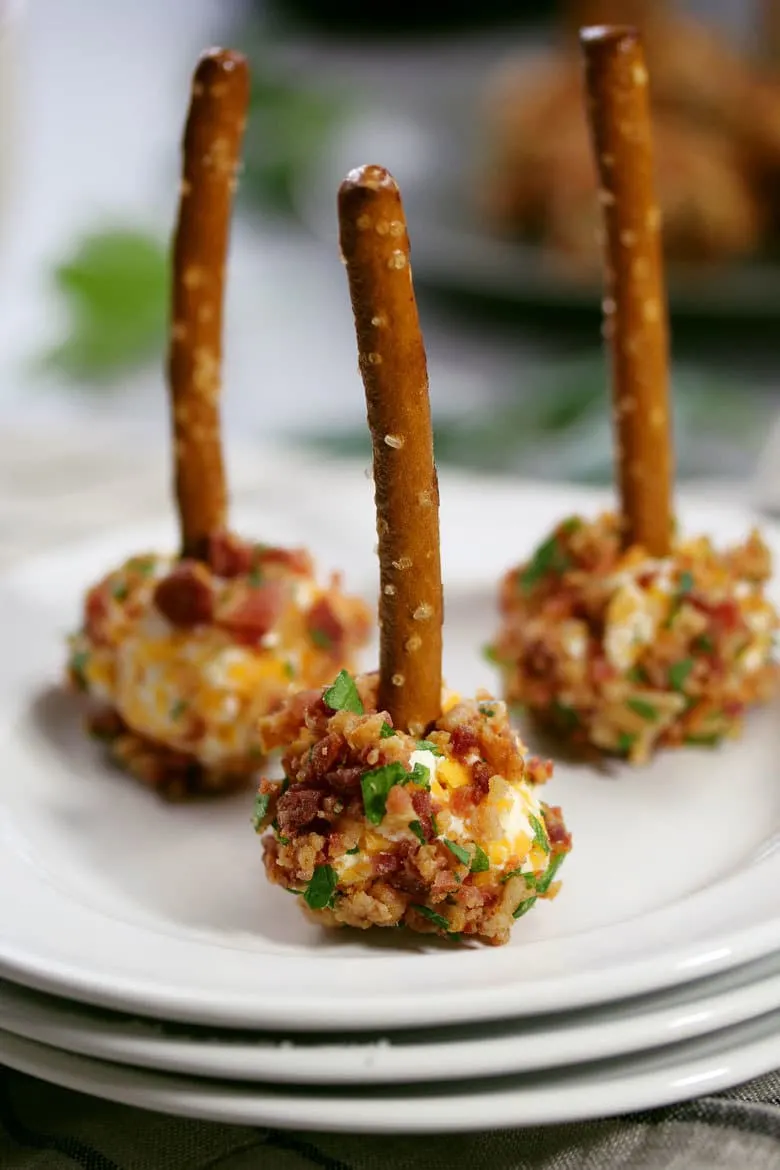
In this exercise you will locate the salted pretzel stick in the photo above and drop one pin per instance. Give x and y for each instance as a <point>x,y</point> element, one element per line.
<point>635,310</point>
<point>375,248</point>
<point>212,146</point>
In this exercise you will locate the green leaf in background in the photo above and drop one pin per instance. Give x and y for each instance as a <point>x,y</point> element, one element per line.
<point>115,290</point>
<point>557,425</point>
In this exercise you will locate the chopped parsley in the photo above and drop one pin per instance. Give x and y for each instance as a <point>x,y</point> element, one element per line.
<point>319,894</point>
<point>679,672</point>
<point>417,829</point>
<point>528,878</point>
<point>260,810</point>
<point>545,881</point>
<point>343,694</point>
<point>321,639</point>
<point>704,740</point>
<point>540,836</point>
<point>463,855</point>
<point>434,824</point>
<point>548,558</point>
<point>571,525</point>
<point>491,655</point>
<point>425,745</point>
<point>704,643</point>
<point>487,710</point>
<point>625,741</point>
<point>637,674</point>
<point>289,670</point>
<point>178,709</point>
<point>480,862</point>
<point>376,786</point>
<point>386,731</point>
<point>437,919</point>
<point>352,852</point>
<point>255,577</point>
<point>78,664</point>
<point>524,907</point>
<point>567,716</point>
<point>685,584</point>
<point>143,565</point>
<point>120,591</point>
<point>643,709</point>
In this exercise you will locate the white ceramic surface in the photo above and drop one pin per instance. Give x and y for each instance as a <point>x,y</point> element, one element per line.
<point>487,1049</point>
<point>599,1089</point>
<point>121,900</point>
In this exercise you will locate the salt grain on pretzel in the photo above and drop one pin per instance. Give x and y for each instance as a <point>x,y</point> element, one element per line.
<point>391,354</point>
<point>635,308</point>
<point>212,150</point>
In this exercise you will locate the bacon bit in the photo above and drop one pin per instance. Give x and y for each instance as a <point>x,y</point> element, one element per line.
<point>725,614</point>
<point>461,801</point>
<point>253,612</point>
<point>733,709</point>
<point>184,597</point>
<point>107,724</point>
<point>463,740</point>
<point>385,863</point>
<point>480,782</point>
<point>539,771</point>
<point>322,621</point>
<point>344,780</point>
<point>421,802</point>
<point>602,671</point>
<point>322,756</point>
<point>295,560</point>
<point>445,881</point>
<point>296,808</point>
<point>556,829</point>
<point>96,612</point>
<point>229,556</point>
<point>539,660</point>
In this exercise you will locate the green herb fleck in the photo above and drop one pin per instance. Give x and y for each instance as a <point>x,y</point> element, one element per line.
<point>644,710</point>
<point>279,835</point>
<point>120,591</point>
<point>463,855</point>
<point>260,810</point>
<point>319,894</point>
<point>528,878</point>
<point>321,639</point>
<point>419,775</point>
<point>685,584</point>
<point>637,674</point>
<point>78,665</point>
<point>524,907</point>
<point>679,672</point>
<point>386,731</point>
<point>480,862</point>
<point>571,525</point>
<point>425,745</point>
<point>289,670</point>
<point>178,709</point>
<point>417,829</point>
<point>255,577</point>
<point>548,558</point>
<point>352,852</point>
<point>343,694</point>
<point>540,835</point>
<point>437,919</point>
<point>545,881</point>
<point>487,711</point>
<point>376,786</point>
<point>434,825</point>
<point>625,741</point>
<point>491,655</point>
<point>704,740</point>
<point>567,716</point>
<point>704,643</point>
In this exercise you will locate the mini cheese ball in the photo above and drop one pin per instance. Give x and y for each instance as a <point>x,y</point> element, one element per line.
<point>373,827</point>
<point>184,657</point>
<point>628,652</point>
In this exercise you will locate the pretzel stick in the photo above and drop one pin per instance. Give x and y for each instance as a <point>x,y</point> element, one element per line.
<point>635,311</point>
<point>212,145</point>
<point>391,354</point>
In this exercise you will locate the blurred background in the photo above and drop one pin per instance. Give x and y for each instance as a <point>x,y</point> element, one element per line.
<point>477,109</point>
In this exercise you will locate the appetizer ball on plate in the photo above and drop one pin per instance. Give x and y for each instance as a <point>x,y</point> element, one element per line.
<point>402,805</point>
<point>630,652</point>
<point>374,827</point>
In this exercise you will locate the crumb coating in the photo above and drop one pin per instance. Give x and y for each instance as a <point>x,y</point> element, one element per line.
<point>372,827</point>
<point>184,659</point>
<point>626,653</point>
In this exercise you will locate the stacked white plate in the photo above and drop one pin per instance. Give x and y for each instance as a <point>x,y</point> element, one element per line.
<point>146,959</point>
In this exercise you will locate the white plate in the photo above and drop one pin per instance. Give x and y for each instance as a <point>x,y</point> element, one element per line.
<point>489,1049</point>
<point>121,900</point>
<point>599,1089</point>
